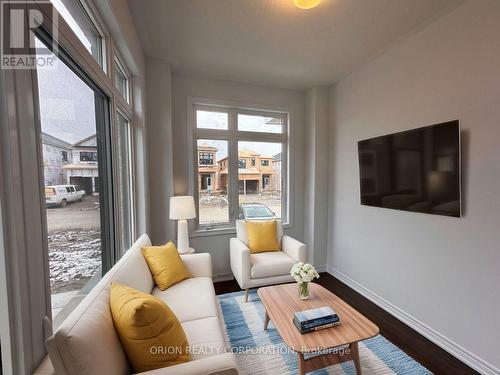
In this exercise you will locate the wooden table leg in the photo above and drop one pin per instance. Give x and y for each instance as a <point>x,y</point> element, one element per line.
<point>266,321</point>
<point>301,363</point>
<point>355,353</point>
<point>329,359</point>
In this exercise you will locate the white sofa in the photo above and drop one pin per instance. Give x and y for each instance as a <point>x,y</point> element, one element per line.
<point>269,268</point>
<point>87,343</point>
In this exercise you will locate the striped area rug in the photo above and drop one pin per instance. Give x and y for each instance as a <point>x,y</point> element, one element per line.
<point>264,352</point>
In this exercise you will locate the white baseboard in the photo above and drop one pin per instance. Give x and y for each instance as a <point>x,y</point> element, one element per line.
<point>322,268</point>
<point>222,277</point>
<point>442,341</point>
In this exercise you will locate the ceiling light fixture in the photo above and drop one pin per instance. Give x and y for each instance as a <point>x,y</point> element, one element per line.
<point>306,4</point>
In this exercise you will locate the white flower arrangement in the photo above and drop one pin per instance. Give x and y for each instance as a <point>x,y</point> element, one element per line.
<point>304,272</point>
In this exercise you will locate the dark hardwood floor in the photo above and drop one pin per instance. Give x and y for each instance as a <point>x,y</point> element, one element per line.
<point>411,342</point>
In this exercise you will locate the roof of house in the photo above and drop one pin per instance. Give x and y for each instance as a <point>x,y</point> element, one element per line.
<point>54,141</point>
<point>86,139</point>
<point>205,146</point>
<point>246,153</point>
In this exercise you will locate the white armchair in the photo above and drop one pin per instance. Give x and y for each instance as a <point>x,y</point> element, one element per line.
<point>255,270</point>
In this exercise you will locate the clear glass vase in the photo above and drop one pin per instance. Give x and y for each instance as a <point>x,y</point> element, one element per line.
<point>304,290</point>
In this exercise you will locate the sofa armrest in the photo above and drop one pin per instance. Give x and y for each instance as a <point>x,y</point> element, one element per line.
<point>293,248</point>
<point>198,264</point>
<point>224,364</point>
<point>240,261</point>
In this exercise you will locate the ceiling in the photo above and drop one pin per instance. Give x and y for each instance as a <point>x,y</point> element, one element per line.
<point>273,43</point>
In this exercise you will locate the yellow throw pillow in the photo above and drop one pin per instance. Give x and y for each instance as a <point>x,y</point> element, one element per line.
<point>262,236</point>
<point>165,264</point>
<point>149,331</point>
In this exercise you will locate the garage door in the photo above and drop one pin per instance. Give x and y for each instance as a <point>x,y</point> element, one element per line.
<point>249,186</point>
<point>84,182</point>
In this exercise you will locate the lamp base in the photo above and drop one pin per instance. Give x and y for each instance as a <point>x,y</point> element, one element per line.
<point>190,250</point>
<point>182,237</point>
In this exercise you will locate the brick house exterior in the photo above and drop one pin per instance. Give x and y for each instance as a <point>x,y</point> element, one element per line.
<point>256,173</point>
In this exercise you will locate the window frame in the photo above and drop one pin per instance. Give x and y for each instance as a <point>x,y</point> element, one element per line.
<point>232,135</point>
<point>132,186</point>
<point>118,65</point>
<point>28,331</point>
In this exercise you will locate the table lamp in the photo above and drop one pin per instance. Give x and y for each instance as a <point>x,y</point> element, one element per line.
<point>182,208</point>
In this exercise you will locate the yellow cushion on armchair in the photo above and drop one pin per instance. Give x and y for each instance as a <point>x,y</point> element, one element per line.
<point>262,236</point>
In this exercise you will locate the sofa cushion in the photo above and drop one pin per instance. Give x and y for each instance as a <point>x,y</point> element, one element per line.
<point>270,264</point>
<point>165,264</point>
<point>205,337</point>
<point>242,234</point>
<point>144,322</point>
<point>190,299</point>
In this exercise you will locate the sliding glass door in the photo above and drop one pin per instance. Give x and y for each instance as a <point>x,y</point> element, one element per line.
<point>75,144</point>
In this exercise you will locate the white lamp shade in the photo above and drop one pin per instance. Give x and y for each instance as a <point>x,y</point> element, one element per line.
<point>182,208</point>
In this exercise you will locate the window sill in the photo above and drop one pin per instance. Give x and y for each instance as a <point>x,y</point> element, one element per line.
<point>221,231</point>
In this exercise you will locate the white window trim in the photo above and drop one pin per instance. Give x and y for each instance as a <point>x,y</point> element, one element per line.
<point>233,135</point>
<point>117,63</point>
<point>116,172</point>
<point>98,23</point>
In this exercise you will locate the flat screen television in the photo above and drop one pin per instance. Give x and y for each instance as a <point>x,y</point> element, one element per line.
<point>415,170</point>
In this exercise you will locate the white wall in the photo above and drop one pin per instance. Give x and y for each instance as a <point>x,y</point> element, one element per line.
<point>316,180</point>
<point>159,112</point>
<point>184,86</point>
<point>442,271</point>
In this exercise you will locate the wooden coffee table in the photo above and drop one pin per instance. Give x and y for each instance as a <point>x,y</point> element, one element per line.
<point>281,301</point>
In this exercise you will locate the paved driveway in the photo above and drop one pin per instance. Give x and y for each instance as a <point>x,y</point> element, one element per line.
<point>74,238</point>
<point>76,215</point>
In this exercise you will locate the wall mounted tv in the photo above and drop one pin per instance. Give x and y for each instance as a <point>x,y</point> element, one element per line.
<point>415,170</point>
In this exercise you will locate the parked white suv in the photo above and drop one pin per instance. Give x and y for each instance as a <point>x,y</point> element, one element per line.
<point>61,195</point>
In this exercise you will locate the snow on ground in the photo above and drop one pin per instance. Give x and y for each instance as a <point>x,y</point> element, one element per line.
<point>74,257</point>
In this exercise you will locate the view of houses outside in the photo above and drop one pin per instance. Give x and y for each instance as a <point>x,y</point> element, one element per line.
<point>77,222</point>
<point>259,178</point>
<point>70,157</point>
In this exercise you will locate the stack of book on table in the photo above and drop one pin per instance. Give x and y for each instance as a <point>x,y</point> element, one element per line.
<point>315,319</point>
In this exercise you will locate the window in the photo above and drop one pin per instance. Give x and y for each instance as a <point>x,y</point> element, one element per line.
<point>263,188</point>
<point>241,168</point>
<point>211,120</point>
<point>78,19</point>
<point>78,232</point>
<point>88,156</point>
<point>79,237</point>
<point>206,158</point>
<point>212,182</point>
<point>121,81</point>
<point>261,123</point>
<point>125,181</point>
